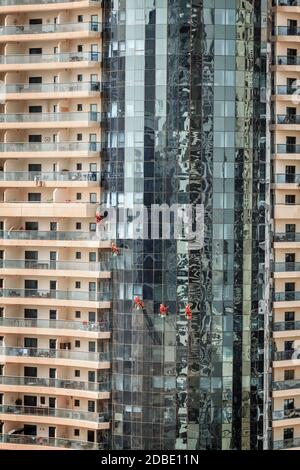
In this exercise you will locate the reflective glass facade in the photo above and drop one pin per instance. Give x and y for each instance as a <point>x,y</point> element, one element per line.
<point>185,104</point>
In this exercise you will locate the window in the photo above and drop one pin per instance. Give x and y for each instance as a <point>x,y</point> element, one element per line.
<point>52,314</point>
<point>92,227</point>
<point>79,137</point>
<point>35,21</point>
<point>289,375</point>
<point>78,196</point>
<point>52,373</point>
<point>79,107</point>
<point>91,406</point>
<point>93,198</point>
<point>30,313</point>
<point>51,432</point>
<point>43,400</point>
<point>78,225</point>
<point>76,432</point>
<point>77,284</point>
<point>288,434</point>
<point>78,255</point>
<point>34,197</point>
<point>92,257</point>
<point>79,78</point>
<point>290,199</point>
<point>35,50</point>
<point>92,346</point>
<point>77,343</point>
<point>91,376</point>
<point>79,48</point>
<point>35,109</point>
<point>80,18</point>
<point>77,373</point>
<point>76,402</point>
<point>35,80</point>
<point>79,166</point>
<point>77,314</point>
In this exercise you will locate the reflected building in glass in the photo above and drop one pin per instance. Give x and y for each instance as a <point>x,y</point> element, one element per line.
<point>186,106</point>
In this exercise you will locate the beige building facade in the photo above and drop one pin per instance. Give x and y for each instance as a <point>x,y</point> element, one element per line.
<point>55,272</point>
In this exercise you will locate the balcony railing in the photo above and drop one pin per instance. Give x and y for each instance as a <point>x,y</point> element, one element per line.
<point>54,412</point>
<point>35,2</point>
<point>55,265</point>
<point>287,60</point>
<point>54,324</point>
<point>49,28</point>
<point>286,326</point>
<point>286,3</point>
<point>46,58</point>
<point>286,31</point>
<point>49,441</point>
<point>50,147</point>
<point>286,355</point>
<point>56,294</point>
<point>51,176</point>
<point>286,414</point>
<point>51,117</point>
<point>59,236</point>
<point>55,383</point>
<point>288,119</point>
<point>288,148</point>
<point>55,353</point>
<point>51,87</point>
<point>287,178</point>
<point>287,90</point>
<point>287,237</point>
<point>286,444</point>
<point>284,267</point>
<point>286,384</point>
<point>286,296</point>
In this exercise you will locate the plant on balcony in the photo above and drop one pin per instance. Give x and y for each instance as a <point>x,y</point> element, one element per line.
<point>138,303</point>
<point>188,312</point>
<point>163,310</point>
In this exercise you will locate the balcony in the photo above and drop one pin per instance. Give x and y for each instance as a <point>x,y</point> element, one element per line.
<point>287,90</point>
<point>286,414</point>
<point>39,2</point>
<point>46,61</point>
<point>55,295</point>
<point>286,326</point>
<point>286,267</point>
<point>54,413</point>
<point>288,119</point>
<point>286,444</point>
<point>286,3</point>
<point>51,236</point>
<point>288,148</point>
<point>47,209</point>
<point>286,385</point>
<point>49,120</point>
<point>14,439</point>
<point>54,354</point>
<point>25,32</point>
<point>55,383</point>
<point>54,324</point>
<point>36,176</point>
<point>286,355</point>
<point>286,296</point>
<point>286,31</point>
<point>287,237</point>
<point>287,60</point>
<point>65,90</point>
<point>51,149</point>
<point>55,265</point>
<point>287,178</point>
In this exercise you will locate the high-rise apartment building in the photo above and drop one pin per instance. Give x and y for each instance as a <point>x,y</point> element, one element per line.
<point>113,112</point>
<point>286,150</point>
<point>54,326</point>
